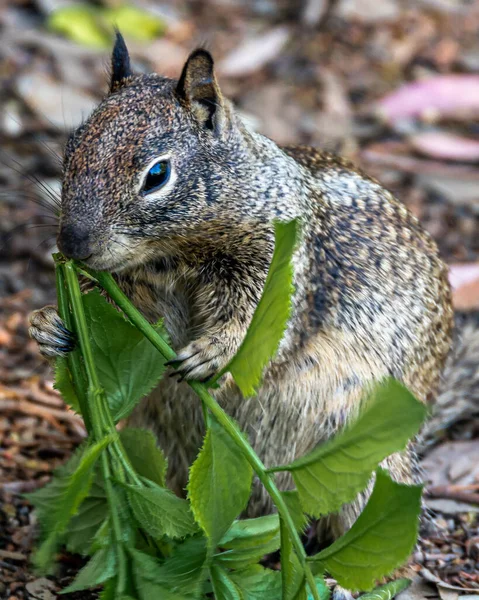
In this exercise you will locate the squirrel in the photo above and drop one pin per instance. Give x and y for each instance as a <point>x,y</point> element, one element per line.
<point>165,186</point>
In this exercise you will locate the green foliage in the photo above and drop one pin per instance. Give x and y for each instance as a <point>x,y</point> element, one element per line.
<point>93,26</point>
<point>293,502</point>
<point>128,366</point>
<point>220,483</point>
<point>258,583</point>
<point>110,502</point>
<point>323,590</point>
<point>223,586</point>
<point>149,581</point>
<point>144,455</point>
<point>64,384</point>
<point>380,540</point>
<point>98,570</point>
<point>252,583</point>
<point>246,542</point>
<point>336,471</point>
<point>89,520</point>
<point>59,501</point>
<point>160,512</point>
<point>184,571</point>
<point>270,317</point>
<point>292,573</point>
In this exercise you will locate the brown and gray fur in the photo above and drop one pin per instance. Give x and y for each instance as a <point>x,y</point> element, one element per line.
<point>371,294</point>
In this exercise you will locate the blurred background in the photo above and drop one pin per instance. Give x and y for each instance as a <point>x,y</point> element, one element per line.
<point>392,84</point>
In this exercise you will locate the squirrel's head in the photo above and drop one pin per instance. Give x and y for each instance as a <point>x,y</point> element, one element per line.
<point>155,164</point>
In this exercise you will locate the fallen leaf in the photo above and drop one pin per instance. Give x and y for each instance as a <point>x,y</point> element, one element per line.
<point>447,594</point>
<point>440,461</point>
<point>460,275</point>
<point>277,115</point>
<point>62,106</point>
<point>440,96</point>
<point>446,146</point>
<point>254,53</point>
<point>428,576</point>
<point>79,23</point>
<point>368,11</point>
<point>135,22</point>
<point>466,297</point>
<point>418,590</point>
<point>42,589</point>
<point>455,190</point>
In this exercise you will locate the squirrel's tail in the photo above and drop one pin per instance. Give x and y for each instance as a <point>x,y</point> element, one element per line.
<point>458,398</point>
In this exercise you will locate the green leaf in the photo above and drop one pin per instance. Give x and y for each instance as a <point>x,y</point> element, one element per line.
<point>336,471</point>
<point>388,591</point>
<point>44,498</point>
<point>292,573</point>
<point>293,502</point>
<point>146,458</point>
<point>380,540</point>
<point>100,568</point>
<point>59,501</point>
<point>219,484</point>
<point>270,317</point>
<point>135,22</point>
<point>184,571</point>
<point>109,591</point>
<point>64,384</point>
<point>80,23</point>
<point>224,587</point>
<point>151,581</point>
<point>160,512</point>
<point>245,532</point>
<point>258,583</point>
<point>90,518</point>
<point>103,537</point>
<point>128,365</point>
<point>85,524</point>
<point>125,516</point>
<point>323,590</point>
<point>247,541</point>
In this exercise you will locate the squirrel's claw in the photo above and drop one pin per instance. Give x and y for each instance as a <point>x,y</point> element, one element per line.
<point>200,360</point>
<point>53,338</point>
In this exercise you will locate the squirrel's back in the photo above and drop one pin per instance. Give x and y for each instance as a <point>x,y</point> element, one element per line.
<point>373,273</point>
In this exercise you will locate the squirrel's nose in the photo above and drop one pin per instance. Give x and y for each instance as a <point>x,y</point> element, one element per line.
<point>74,241</point>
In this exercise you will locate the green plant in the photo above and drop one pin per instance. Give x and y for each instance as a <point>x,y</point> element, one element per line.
<point>110,501</point>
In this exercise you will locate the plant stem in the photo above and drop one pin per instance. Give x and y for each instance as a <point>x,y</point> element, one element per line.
<point>99,410</point>
<point>73,358</point>
<point>80,323</point>
<point>111,287</point>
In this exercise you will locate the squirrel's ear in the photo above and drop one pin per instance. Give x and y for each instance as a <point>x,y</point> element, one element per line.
<point>120,62</point>
<point>198,87</point>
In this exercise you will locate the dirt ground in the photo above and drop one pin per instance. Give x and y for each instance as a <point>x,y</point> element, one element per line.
<point>392,84</point>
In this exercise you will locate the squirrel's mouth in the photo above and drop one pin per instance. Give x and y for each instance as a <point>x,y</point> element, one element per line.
<point>100,263</point>
<point>112,262</point>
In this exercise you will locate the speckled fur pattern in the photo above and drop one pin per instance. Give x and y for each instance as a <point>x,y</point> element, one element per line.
<point>371,294</point>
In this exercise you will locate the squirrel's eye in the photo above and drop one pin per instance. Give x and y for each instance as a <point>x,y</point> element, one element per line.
<point>157,176</point>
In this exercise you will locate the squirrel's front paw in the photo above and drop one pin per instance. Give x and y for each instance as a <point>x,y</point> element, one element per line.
<point>201,359</point>
<point>47,328</point>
